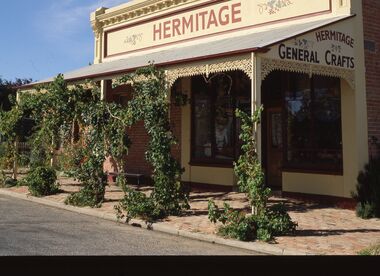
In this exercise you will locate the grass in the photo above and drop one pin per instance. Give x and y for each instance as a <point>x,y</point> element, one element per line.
<point>371,251</point>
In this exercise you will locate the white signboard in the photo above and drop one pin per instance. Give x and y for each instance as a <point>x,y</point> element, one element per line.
<point>212,18</point>
<point>330,46</point>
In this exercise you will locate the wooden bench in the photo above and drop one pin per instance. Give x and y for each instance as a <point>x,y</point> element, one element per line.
<point>138,176</point>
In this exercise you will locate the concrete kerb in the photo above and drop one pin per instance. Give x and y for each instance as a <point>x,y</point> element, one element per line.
<point>259,247</point>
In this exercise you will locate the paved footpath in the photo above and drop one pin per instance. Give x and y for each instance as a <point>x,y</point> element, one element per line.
<point>322,230</point>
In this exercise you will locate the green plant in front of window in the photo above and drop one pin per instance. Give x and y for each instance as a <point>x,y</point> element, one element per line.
<point>368,191</point>
<point>248,168</point>
<point>42,181</point>
<point>265,222</point>
<point>150,104</point>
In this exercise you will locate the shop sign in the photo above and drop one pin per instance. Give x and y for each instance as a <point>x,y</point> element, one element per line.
<point>218,17</point>
<point>328,46</point>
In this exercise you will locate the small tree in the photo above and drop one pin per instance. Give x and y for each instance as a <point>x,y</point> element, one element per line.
<point>248,168</point>
<point>265,222</point>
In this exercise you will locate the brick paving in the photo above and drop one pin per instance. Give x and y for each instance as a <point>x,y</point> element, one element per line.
<point>322,230</point>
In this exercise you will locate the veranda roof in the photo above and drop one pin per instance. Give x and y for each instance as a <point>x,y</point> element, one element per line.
<point>223,47</point>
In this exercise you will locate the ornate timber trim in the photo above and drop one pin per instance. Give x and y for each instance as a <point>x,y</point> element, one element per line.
<point>213,66</point>
<point>141,9</point>
<point>269,65</point>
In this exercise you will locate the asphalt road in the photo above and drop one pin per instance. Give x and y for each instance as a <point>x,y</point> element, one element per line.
<point>30,229</point>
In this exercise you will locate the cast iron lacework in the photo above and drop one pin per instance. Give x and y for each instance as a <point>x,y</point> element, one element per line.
<point>269,65</point>
<point>188,70</point>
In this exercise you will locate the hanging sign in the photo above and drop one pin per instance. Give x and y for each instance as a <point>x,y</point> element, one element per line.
<point>330,46</point>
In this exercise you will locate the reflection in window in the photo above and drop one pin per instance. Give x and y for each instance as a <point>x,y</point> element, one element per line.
<point>215,127</point>
<point>313,125</point>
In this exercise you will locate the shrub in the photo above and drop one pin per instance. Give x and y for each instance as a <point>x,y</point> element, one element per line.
<point>92,194</point>
<point>42,181</point>
<point>368,191</point>
<point>137,204</point>
<point>85,197</point>
<point>275,221</point>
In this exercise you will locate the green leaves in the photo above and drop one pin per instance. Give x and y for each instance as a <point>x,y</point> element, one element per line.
<point>251,179</point>
<point>42,181</point>
<point>150,104</point>
<point>264,223</point>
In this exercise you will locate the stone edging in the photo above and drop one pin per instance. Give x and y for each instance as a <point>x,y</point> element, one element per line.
<point>259,247</point>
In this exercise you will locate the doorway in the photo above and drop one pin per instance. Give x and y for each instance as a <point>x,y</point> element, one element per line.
<point>272,130</point>
<point>274,147</point>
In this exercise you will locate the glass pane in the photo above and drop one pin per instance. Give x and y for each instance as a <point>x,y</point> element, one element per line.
<point>297,106</point>
<point>276,130</point>
<point>202,125</point>
<point>327,120</point>
<point>224,113</point>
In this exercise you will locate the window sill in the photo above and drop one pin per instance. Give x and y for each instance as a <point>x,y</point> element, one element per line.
<point>313,171</point>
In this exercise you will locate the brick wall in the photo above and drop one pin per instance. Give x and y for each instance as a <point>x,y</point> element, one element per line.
<point>135,161</point>
<point>371,15</point>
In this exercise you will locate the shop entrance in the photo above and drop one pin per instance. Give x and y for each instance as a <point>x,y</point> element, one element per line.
<point>274,147</point>
<point>272,138</point>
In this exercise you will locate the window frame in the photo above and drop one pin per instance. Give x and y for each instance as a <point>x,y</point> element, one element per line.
<point>213,161</point>
<point>287,166</point>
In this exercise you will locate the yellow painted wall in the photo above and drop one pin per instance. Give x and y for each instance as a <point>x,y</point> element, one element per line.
<point>313,184</point>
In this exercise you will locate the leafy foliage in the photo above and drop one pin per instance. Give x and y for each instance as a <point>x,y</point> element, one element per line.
<point>8,90</point>
<point>248,168</point>
<point>42,181</point>
<point>137,204</point>
<point>265,222</point>
<point>368,191</point>
<point>235,224</point>
<point>10,127</point>
<point>274,221</point>
<point>150,104</point>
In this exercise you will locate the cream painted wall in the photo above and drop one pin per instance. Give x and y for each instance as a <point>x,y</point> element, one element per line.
<point>313,184</point>
<point>220,176</point>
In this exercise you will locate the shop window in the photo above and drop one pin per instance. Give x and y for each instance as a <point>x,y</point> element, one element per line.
<point>215,129</point>
<point>313,129</point>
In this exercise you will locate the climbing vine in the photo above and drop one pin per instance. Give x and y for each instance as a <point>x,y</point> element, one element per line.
<point>248,168</point>
<point>56,109</point>
<point>150,104</point>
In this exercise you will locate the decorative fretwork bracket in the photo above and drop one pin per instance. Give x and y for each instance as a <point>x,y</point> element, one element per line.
<point>269,65</point>
<point>243,63</point>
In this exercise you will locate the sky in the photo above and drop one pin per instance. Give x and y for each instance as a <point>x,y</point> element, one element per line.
<point>42,38</point>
